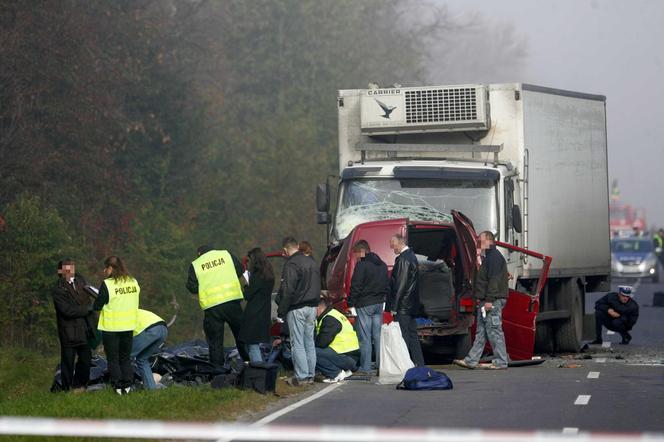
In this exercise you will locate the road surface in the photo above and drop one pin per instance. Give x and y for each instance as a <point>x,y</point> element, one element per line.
<point>620,389</point>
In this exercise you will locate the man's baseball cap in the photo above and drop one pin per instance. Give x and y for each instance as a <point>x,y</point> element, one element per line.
<point>626,290</point>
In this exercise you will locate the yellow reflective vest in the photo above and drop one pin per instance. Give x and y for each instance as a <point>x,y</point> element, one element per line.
<point>121,311</point>
<point>144,319</point>
<point>346,340</point>
<point>217,280</point>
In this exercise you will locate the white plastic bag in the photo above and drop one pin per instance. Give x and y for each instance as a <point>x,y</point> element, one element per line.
<point>394,357</point>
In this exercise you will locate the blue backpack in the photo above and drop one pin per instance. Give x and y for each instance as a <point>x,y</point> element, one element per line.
<point>424,378</point>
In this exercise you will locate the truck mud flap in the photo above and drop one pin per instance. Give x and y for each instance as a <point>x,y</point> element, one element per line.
<point>589,326</point>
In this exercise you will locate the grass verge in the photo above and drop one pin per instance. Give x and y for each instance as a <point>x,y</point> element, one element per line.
<point>25,379</point>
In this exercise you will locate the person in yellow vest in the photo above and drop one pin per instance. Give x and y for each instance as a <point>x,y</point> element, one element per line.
<point>118,302</point>
<point>149,335</point>
<point>215,277</point>
<point>337,346</point>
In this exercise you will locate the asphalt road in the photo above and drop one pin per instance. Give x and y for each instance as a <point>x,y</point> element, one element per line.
<point>619,389</point>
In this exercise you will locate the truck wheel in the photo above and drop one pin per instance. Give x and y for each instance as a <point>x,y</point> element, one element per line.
<point>544,338</point>
<point>569,333</point>
<point>462,346</point>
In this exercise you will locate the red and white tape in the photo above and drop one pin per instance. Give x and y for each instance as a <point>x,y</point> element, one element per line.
<point>242,432</point>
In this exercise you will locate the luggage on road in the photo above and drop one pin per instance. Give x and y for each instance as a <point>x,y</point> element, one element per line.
<point>394,357</point>
<point>424,378</point>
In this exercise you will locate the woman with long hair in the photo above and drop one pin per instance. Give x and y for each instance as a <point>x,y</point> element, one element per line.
<point>305,248</point>
<point>257,316</point>
<point>118,303</point>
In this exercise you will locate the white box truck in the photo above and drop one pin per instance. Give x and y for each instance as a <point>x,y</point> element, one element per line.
<point>526,162</point>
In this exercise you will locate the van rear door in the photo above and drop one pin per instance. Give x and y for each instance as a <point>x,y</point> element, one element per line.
<point>521,310</point>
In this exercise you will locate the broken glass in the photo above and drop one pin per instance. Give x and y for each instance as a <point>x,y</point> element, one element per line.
<point>416,199</point>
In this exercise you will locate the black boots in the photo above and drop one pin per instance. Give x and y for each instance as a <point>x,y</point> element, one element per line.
<point>626,337</point>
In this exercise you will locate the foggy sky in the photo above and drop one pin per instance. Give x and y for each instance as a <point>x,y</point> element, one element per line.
<point>608,47</point>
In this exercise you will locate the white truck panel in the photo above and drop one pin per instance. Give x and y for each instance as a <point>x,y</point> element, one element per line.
<point>568,193</point>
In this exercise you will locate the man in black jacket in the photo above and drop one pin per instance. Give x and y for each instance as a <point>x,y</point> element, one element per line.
<point>404,300</point>
<point>76,323</point>
<point>490,289</point>
<point>617,312</point>
<point>298,297</point>
<point>368,289</point>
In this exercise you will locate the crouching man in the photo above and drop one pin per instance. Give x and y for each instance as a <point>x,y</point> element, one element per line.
<point>337,346</point>
<point>617,312</point>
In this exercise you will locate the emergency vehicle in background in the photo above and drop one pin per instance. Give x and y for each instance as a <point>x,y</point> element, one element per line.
<point>624,220</point>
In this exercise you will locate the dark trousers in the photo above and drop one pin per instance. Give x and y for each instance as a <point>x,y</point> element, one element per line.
<point>117,346</point>
<point>75,375</point>
<point>614,324</point>
<point>409,333</point>
<point>213,325</point>
<point>330,363</point>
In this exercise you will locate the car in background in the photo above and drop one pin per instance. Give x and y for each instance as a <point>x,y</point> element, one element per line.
<point>634,258</point>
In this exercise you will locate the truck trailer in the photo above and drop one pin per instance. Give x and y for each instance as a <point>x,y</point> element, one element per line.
<point>526,162</point>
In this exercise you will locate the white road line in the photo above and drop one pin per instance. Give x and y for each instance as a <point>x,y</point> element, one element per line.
<point>583,399</point>
<point>606,344</point>
<point>600,360</point>
<point>610,332</point>
<point>277,414</point>
<point>570,430</point>
<point>593,375</point>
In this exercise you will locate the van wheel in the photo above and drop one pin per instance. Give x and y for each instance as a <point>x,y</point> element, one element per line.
<point>462,346</point>
<point>569,333</point>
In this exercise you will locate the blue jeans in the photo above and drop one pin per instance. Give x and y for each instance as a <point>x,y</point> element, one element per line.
<point>301,324</point>
<point>330,363</point>
<point>367,324</point>
<point>490,328</point>
<point>254,351</point>
<point>144,345</point>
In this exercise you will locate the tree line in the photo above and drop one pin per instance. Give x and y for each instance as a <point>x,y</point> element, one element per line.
<point>144,128</point>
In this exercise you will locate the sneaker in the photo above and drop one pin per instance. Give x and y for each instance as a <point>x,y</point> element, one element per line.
<point>348,373</point>
<point>119,391</point>
<point>294,382</point>
<point>343,374</point>
<point>307,381</point>
<point>127,390</point>
<point>597,341</point>
<point>462,363</point>
<point>491,366</point>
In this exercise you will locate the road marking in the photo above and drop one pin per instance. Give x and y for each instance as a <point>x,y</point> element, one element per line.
<point>277,414</point>
<point>606,344</point>
<point>593,375</point>
<point>583,399</point>
<point>610,332</point>
<point>570,430</point>
<point>600,360</point>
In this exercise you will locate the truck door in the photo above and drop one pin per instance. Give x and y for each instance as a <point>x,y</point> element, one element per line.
<point>521,309</point>
<point>522,304</point>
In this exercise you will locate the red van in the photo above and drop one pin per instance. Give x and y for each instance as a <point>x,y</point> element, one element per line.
<point>450,260</point>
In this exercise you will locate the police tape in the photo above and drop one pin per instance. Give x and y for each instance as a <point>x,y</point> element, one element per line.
<point>243,432</point>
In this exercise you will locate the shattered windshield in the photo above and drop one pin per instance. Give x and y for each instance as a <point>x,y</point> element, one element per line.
<point>417,199</point>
